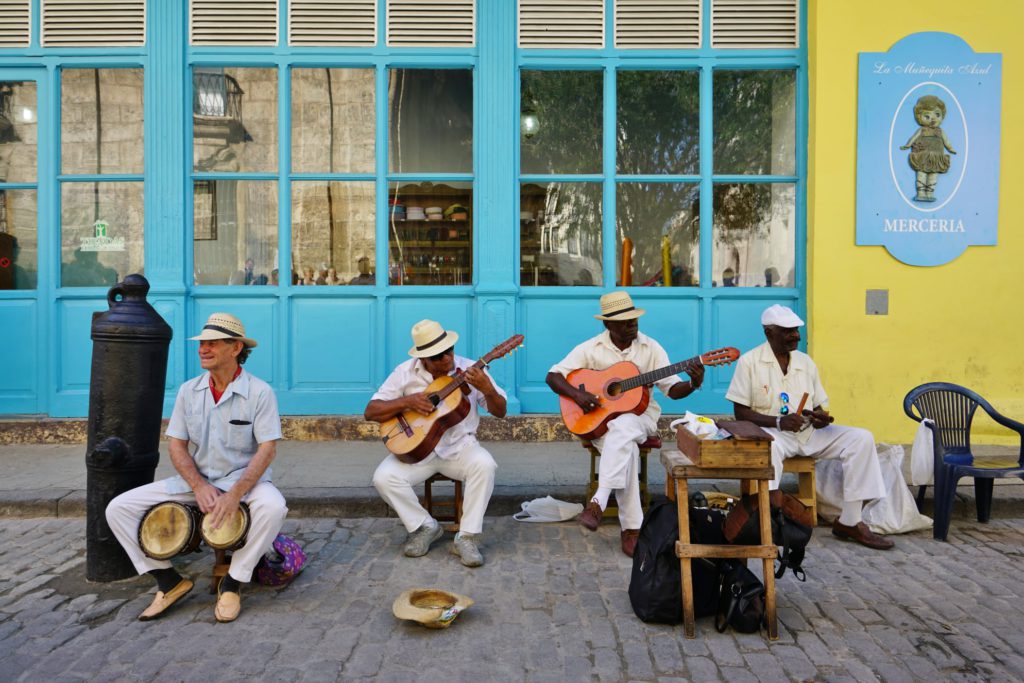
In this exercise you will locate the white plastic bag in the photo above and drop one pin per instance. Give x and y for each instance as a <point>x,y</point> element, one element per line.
<point>547,509</point>
<point>922,456</point>
<point>896,513</point>
<point>698,425</point>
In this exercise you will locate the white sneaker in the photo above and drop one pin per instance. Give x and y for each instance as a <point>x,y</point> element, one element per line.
<point>418,543</point>
<point>465,547</point>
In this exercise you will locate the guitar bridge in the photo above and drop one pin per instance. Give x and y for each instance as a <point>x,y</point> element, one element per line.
<point>404,424</point>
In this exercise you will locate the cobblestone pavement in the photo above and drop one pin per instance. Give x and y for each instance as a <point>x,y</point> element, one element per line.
<point>551,606</point>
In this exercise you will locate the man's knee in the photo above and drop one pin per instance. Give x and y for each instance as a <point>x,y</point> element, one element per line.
<point>482,465</point>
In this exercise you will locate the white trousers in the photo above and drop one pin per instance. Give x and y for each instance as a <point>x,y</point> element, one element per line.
<point>267,510</point>
<point>855,447</point>
<point>473,465</point>
<point>620,464</point>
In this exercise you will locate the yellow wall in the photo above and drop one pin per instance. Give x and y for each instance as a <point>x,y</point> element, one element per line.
<point>961,322</point>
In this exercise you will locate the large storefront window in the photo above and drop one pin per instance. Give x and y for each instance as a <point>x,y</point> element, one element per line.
<point>234,131</point>
<point>19,135</point>
<point>101,191</point>
<point>430,220</point>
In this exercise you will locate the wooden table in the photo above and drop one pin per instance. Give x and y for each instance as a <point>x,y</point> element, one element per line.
<point>678,470</point>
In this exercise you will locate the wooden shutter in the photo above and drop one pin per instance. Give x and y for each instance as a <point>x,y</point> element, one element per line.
<point>95,23</point>
<point>233,22</point>
<point>754,23</point>
<point>332,22</point>
<point>561,23</point>
<point>15,23</point>
<point>425,23</point>
<point>657,24</point>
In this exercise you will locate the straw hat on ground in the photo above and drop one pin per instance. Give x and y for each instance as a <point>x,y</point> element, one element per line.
<point>430,339</point>
<point>224,326</point>
<point>432,607</point>
<point>618,306</point>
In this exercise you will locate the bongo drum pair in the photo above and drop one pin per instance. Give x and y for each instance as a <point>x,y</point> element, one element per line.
<point>171,528</point>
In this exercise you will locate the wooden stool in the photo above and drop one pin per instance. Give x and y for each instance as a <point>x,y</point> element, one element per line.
<point>645,497</point>
<point>679,470</point>
<point>803,467</point>
<point>443,510</point>
<point>221,564</point>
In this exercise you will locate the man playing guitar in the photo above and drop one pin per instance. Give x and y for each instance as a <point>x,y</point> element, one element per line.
<point>457,455</point>
<point>620,451</point>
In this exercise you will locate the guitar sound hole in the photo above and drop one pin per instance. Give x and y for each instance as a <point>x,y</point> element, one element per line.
<point>614,389</point>
<point>435,399</point>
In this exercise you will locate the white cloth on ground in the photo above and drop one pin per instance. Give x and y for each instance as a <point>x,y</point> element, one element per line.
<point>547,509</point>
<point>267,510</point>
<point>473,465</point>
<point>896,513</point>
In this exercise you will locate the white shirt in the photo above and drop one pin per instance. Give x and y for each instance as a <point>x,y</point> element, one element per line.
<point>411,377</point>
<point>599,353</point>
<point>226,434</point>
<point>758,383</point>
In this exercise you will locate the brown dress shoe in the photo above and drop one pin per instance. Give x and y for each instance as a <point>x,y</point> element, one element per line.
<point>861,534</point>
<point>161,601</point>
<point>628,538</point>
<point>591,516</point>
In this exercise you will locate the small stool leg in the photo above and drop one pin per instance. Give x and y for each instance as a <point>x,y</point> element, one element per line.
<point>685,563</point>
<point>767,563</point>
<point>221,564</point>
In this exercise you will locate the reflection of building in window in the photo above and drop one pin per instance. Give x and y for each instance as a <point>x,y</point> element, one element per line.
<point>205,218</point>
<point>217,117</point>
<point>3,211</point>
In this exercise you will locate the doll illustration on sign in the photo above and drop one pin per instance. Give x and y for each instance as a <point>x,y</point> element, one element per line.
<point>928,146</point>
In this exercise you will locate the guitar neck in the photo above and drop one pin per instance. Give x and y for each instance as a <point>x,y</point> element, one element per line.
<point>653,376</point>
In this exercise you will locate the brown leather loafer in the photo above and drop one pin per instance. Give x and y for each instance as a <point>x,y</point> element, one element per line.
<point>861,534</point>
<point>628,538</point>
<point>161,601</point>
<point>229,604</point>
<point>590,518</point>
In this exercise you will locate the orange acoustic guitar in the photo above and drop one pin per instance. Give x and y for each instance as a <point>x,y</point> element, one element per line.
<point>412,436</point>
<point>623,389</point>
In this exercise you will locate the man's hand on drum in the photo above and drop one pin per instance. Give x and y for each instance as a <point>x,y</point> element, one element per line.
<point>223,509</point>
<point>206,497</point>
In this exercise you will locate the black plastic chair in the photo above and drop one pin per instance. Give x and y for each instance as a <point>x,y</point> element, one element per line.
<point>951,408</point>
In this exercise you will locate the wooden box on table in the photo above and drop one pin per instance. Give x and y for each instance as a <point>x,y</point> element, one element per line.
<point>750,446</point>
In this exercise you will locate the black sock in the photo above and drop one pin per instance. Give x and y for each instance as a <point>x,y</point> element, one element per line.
<point>229,584</point>
<point>166,579</point>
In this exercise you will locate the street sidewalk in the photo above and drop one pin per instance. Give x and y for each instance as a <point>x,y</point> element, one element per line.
<point>333,478</point>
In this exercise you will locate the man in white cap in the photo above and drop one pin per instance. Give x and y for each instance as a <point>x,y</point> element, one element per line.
<point>458,455</point>
<point>231,417</point>
<point>767,389</point>
<point>620,447</point>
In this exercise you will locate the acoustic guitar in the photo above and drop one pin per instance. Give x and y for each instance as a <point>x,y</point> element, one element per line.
<point>622,388</point>
<point>412,436</point>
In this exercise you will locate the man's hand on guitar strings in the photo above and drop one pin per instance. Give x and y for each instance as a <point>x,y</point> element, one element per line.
<point>587,401</point>
<point>696,373</point>
<point>420,402</point>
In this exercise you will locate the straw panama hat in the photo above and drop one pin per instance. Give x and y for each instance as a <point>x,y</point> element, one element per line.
<point>618,306</point>
<point>430,339</point>
<point>224,326</point>
<point>432,607</point>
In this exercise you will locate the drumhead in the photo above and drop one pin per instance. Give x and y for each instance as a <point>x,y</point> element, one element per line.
<point>231,533</point>
<point>166,529</point>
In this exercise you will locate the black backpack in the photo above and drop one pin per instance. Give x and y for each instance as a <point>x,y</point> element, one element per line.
<point>655,586</point>
<point>743,528</point>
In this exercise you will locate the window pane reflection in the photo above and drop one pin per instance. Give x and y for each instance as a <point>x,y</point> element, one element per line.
<point>333,120</point>
<point>754,242</point>
<point>18,242</point>
<point>658,122</point>
<point>234,119</point>
<point>755,122</point>
<point>662,223</point>
<point>560,234</point>
<point>100,233</point>
<point>567,108</point>
<point>333,233</point>
<point>431,233</point>
<point>101,120</point>
<point>18,132</point>
<point>430,118</point>
<point>235,232</point>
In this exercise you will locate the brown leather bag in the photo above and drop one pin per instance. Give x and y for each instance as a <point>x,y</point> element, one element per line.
<point>742,527</point>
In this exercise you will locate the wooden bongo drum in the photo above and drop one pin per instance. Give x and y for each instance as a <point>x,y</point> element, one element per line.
<point>231,534</point>
<point>168,529</point>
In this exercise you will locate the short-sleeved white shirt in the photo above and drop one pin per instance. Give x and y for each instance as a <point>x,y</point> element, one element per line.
<point>227,433</point>
<point>600,353</point>
<point>412,377</point>
<point>758,383</point>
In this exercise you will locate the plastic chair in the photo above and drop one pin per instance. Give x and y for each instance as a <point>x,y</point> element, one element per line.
<point>951,408</point>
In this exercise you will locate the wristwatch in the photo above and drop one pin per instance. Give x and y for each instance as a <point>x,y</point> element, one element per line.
<point>778,423</point>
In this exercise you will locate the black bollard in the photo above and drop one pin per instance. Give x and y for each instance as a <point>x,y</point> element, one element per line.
<point>126,396</point>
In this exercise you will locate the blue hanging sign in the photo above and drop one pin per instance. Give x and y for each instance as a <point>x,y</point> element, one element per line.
<point>928,148</point>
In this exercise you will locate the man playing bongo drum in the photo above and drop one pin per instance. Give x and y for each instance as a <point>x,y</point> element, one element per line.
<point>232,419</point>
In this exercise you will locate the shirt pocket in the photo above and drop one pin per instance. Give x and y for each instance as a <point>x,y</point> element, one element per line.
<point>240,437</point>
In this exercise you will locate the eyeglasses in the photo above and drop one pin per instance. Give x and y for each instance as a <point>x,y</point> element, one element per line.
<point>439,356</point>
<point>784,397</point>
